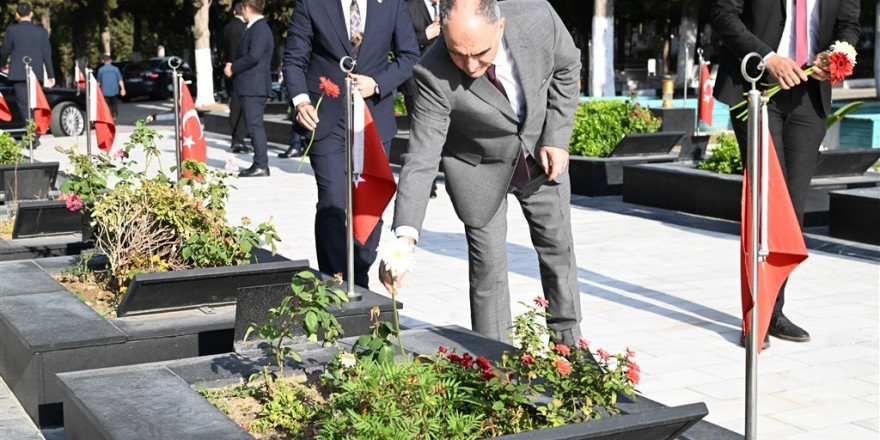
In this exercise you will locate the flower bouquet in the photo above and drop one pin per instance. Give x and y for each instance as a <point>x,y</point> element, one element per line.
<point>330,89</point>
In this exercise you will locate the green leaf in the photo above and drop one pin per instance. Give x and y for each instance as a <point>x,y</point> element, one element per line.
<point>386,354</point>
<point>311,322</point>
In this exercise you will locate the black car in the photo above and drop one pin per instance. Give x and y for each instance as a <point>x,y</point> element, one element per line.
<point>153,78</point>
<point>68,110</point>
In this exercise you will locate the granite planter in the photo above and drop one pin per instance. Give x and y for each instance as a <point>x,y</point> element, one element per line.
<point>44,229</point>
<point>135,403</point>
<point>47,329</point>
<point>855,215</point>
<point>27,181</point>
<point>683,188</point>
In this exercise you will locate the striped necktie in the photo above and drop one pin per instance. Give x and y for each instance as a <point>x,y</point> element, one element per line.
<point>355,28</point>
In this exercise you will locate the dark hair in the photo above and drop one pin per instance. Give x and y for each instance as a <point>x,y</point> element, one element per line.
<point>255,5</point>
<point>488,9</point>
<point>237,8</point>
<point>23,9</point>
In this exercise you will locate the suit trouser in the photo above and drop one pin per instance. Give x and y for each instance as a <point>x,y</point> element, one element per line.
<point>797,127</point>
<point>253,108</point>
<point>113,105</point>
<point>236,119</point>
<point>327,157</point>
<point>21,97</point>
<point>546,206</point>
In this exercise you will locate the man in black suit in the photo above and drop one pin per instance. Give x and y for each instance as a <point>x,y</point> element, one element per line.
<point>789,36</point>
<point>251,78</point>
<point>320,33</point>
<point>231,34</point>
<point>26,39</point>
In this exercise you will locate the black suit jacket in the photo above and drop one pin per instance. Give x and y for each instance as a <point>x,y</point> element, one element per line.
<point>421,18</point>
<point>317,38</point>
<point>251,70</point>
<point>231,34</point>
<point>745,26</point>
<point>26,38</point>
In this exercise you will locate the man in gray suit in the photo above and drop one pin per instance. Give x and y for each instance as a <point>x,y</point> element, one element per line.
<point>495,104</point>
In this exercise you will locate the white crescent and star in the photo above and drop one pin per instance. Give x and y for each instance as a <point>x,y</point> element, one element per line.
<point>191,113</point>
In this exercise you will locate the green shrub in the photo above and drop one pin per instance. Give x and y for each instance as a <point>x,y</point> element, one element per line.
<point>10,150</point>
<point>399,104</point>
<point>600,125</point>
<point>725,158</point>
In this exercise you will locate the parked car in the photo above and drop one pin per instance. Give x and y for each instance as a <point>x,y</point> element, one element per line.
<point>153,78</point>
<point>68,110</point>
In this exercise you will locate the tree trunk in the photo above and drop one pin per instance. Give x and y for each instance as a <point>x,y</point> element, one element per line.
<point>204,67</point>
<point>876,45</point>
<point>105,31</point>
<point>602,49</point>
<point>664,57</point>
<point>687,40</point>
<point>137,39</point>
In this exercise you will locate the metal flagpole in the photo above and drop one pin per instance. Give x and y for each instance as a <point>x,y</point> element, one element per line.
<point>687,69</point>
<point>700,94</point>
<point>88,73</point>
<point>29,73</point>
<point>754,149</point>
<point>347,65</point>
<point>174,63</point>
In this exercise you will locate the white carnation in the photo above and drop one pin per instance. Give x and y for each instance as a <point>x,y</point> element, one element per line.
<point>846,49</point>
<point>398,255</point>
<point>347,360</point>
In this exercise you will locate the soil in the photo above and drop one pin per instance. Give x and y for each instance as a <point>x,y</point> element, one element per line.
<point>90,292</point>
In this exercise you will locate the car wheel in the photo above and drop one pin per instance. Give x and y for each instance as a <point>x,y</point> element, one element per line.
<point>67,120</point>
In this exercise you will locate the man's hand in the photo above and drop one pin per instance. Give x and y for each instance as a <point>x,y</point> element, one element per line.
<point>228,70</point>
<point>4,70</point>
<point>819,65</point>
<point>364,84</point>
<point>306,116</point>
<point>433,29</point>
<point>49,83</point>
<point>385,277</point>
<point>122,92</point>
<point>786,71</point>
<point>554,161</point>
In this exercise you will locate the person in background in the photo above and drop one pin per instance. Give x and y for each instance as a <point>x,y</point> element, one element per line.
<point>231,34</point>
<point>110,81</point>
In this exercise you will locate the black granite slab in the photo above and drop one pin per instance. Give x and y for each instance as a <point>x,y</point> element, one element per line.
<point>42,247</point>
<point>20,279</point>
<point>855,215</point>
<point>28,181</point>
<point>597,177</point>
<point>46,217</point>
<point>646,144</point>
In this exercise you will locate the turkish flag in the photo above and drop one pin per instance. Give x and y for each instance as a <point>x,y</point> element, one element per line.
<point>372,180</point>
<point>38,103</point>
<point>779,235</point>
<point>707,101</point>
<point>78,77</point>
<point>99,113</point>
<point>192,137</point>
<point>5,114</point>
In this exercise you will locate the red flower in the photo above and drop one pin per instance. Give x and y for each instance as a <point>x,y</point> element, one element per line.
<point>74,202</point>
<point>603,355</point>
<point>629,352</point>
<point>540,301</point>
<point>633,376</point>
<point>633,366</point>
<point>839,66</point>
<point>488,375</point>
<point>563,367</point>
<point>527,359</point>
<point>563,349</point>
<point>483,363</point>
<point>454,358</point>
<point>442,349</point>
<point>331,89</point>
<point>584,344</point>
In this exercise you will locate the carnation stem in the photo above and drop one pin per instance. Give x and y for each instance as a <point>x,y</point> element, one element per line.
<point>396,319</point>
<point>312,140</point>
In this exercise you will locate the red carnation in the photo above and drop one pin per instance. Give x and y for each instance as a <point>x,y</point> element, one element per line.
<point>527,359</point>
<point>633,366</point>
<point>633,376</point>
<point>563,349</point>
<point>839,66</point>
<point>483,363</point>
<point>563,367</point>
<point>603,355</point>
<point>442,349</point>
<point>331,89</point>
<point>540,301</point>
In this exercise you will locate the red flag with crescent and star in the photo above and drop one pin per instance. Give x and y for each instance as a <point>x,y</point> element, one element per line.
<point>5,114</point>
<point>373,183</point>
<point>192,138</point>
<point>99,113</point>
<point>38,103</point>
<point>707,101</point>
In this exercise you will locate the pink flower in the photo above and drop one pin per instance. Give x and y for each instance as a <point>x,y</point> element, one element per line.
<point>633,366</point>
<point>527,359</point>
<point>74,202</point>
<point>563,349</point>
<point>246,426</point>
<point>120,153</point>
<point>629,352</point>
<point>442,349</point>
<point>584,344</point>
<point>540,301</point>
<point>231,165</point>
<point>563,367</point>
<point>633,376</point>
<point>603,355</point>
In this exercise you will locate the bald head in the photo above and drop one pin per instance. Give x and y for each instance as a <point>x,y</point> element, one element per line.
<point>473,30</point>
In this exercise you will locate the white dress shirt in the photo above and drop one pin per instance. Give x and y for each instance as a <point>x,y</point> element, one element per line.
<point>787,42</point>
<point>251,23</point>
<point>430,5</point>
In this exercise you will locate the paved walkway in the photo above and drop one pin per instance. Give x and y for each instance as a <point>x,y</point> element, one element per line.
<point>664,284</point>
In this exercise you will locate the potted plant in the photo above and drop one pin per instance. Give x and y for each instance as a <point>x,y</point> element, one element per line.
<point>608,134</point>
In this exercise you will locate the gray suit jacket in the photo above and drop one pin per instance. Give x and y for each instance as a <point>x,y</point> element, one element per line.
<point>468,124</point>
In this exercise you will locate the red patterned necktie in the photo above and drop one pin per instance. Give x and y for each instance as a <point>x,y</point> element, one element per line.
<point>801,41</point>
<point>521,175</point>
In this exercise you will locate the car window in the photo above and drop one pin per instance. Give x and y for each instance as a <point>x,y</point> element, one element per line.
<point>137,66</point>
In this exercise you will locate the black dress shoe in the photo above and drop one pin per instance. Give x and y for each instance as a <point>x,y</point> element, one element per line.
<point>254,172</point>
<point>434,190</point>
<point>290,153</point>
<point>742,341</point>
<point>782,328</point>
<point>241,148</point>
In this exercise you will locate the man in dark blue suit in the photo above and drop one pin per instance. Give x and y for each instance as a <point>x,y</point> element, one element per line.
<point>250,72</point>
<point>26,39</point>
<point>320,33</point>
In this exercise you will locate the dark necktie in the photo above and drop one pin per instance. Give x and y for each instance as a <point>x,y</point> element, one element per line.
<point>355,29</point>
<point>434,5</point>
<point>801,41</point>
<point>521,175</point>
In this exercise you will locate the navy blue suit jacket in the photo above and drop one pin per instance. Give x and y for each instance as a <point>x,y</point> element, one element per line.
<point>26,38</point>
<point>317,38</point>
<point>251,69</point>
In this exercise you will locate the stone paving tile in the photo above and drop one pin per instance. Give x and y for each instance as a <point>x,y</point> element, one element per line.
<point>768,427</point>
<point>825,415</point>
<point>846,431</point>
<point>14,422</point>
<point>872,423</point>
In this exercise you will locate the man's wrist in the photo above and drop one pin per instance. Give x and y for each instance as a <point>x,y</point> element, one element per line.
<point>300,99</point>
<point>407,232</point>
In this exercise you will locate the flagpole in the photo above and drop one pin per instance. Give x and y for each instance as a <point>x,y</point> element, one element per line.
<point>754,153</point>
<point>687,65</point>
<point>88,73</point>
<point>174,63</point>
<point>29,73</point>
<point>699,95</point>
<point>349,220</point>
